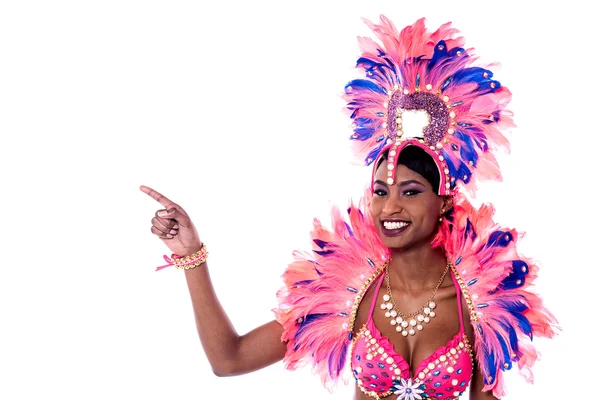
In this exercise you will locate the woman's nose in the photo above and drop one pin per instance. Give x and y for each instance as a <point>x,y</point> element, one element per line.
<point>392,205</point>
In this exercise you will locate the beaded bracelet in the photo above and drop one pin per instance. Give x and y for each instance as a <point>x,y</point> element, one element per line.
<point>187,262</point>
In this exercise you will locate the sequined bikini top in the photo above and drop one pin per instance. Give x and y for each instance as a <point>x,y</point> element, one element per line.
<point>380,372</point>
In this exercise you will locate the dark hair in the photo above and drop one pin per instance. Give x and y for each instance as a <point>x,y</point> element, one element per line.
<point>417,160</point>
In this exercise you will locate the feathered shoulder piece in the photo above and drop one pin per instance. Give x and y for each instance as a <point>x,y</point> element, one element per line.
<point>323,288</point>
<point>496,282</point>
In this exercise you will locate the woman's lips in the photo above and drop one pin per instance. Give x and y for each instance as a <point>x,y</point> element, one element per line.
<point>391,227</point>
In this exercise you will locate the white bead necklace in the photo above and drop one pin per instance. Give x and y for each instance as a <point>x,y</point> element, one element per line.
<point>407,323</point>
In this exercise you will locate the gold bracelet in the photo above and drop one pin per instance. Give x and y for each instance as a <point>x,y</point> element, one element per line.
<point>193,260</point>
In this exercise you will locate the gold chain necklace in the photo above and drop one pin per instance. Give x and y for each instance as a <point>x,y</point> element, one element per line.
<point>407,323</point>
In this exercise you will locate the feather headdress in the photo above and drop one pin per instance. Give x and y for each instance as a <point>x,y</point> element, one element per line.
<point>418,70</point>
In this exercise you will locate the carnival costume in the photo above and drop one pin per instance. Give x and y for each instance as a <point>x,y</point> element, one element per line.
<point>409,71</point>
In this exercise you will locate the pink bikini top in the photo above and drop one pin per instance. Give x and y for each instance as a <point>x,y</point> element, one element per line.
<point>380,372</point>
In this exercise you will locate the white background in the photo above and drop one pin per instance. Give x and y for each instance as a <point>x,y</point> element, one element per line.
<point>233,109</point>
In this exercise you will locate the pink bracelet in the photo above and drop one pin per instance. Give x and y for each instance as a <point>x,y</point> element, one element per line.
<point>187,262</point>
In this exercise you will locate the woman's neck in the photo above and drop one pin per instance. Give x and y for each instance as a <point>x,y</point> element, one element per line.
<point>418,268</point>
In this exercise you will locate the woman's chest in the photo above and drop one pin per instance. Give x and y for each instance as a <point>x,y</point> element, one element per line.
<point>386,359</point>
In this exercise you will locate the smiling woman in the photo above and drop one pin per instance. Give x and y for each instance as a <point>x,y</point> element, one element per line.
<point>415,293</point>
<point>412,197</point>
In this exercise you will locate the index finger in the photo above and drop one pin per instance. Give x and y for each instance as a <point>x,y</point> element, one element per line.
<point>164,201</point>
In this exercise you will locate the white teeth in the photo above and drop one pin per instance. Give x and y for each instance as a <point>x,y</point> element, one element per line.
<point>394,225</point>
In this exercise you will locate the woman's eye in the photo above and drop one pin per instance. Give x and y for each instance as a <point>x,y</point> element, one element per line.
<point>380,192</point>
<point>410,193</point>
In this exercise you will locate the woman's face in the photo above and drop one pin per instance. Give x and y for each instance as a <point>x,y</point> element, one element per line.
<point>406,213</point>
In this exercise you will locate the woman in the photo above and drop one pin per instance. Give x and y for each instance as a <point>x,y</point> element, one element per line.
<point>420,293</point>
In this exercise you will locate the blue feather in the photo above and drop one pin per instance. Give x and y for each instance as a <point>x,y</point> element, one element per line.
<point>454,52</point>
<point>525,325</point>
<point>354,105</point>
<point>513,338</point>
<point>496,117</point>
<point>323,253</point>
<point>451,168</point>
<point>478,137</point>
<point>391,64</point>
<point>364,62</point>
<point>505,352</point>
<point>517,308</point>
<point>336,365</point>
<point>476,75</point>
<point>467,151</point>
<point>315,266</point>
<point>472,74</point>
<point>516,278</point>
<point>374,153</point>
<point>499,239</point>
<point>320,243</point>
<point>374,69</point>
<point>363,84</point>
<point>362,133</point>
<point>306,323</point>
<point>349,229</point>
<point>469,231</point>
<point>304,282</point>
<point>464,173</point>
<point>446,84</point>
<point>438,54</point>
<point>442,58</point>
<point>490,361</point>
<point>365,122</point>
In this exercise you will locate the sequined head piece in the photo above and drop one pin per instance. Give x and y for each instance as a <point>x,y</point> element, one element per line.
<point>428,72</point>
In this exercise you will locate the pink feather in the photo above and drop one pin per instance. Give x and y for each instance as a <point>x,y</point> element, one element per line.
<point>318,284</point>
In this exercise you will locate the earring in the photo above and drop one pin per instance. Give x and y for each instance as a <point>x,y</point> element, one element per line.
<point>442,215</point>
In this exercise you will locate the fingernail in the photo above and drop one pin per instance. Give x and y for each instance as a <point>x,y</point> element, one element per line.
<point>162,213</point>
<point>173,231</point>
<point>169,236</point>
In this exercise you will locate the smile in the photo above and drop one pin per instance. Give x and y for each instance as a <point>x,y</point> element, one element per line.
<point>394,228</point>
<point>395,225</point>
